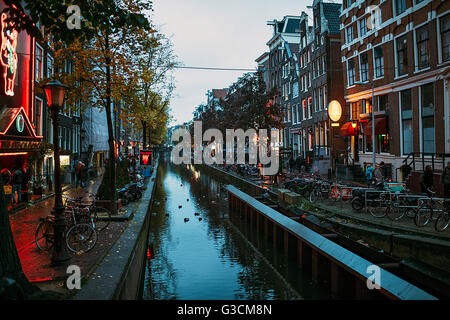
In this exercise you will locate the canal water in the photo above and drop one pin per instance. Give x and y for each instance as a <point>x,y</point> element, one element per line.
<point>197,253</point>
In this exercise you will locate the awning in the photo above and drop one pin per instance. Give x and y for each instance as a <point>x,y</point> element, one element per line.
<point>380,126</point>
<point>349,129</point>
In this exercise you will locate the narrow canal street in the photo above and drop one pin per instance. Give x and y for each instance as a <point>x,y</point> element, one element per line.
<point>197,253</point>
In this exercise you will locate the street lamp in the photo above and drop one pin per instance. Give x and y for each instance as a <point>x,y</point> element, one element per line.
<point>54,91</point>
<point>374,157</point>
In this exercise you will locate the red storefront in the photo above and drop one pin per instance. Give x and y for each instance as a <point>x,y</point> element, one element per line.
<point>18,139</point>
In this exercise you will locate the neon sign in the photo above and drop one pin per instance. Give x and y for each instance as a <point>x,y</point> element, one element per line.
<point>8,54</point>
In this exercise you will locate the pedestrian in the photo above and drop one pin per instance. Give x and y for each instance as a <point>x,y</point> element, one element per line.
<point>369,176</point>
<point>426,181</point>
<point>17,181</point>
<point>378,173</point>
<point>79,174</point>
<point>445,180</point>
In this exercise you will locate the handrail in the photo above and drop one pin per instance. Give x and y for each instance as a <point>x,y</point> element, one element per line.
<point>425,157</point>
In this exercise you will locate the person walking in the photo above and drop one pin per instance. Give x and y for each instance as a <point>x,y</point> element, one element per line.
<point>426,181</point>
<point>445,180</point>
<point>378,173</point>
<point>369,176</point>
<point>17,181</point>
<point>79,174</point>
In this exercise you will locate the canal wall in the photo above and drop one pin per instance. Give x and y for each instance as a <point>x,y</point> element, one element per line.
<point>120,275</point>
<point>434,252</point>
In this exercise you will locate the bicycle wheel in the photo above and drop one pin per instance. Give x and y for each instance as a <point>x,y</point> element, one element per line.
<point>44,236</point>
<point>423,215</point>
<point>395,213</point>
<point>335,194</point>
<point>378,209</point>
<point>442,221</point>
<point>314,195</point>
<point>81,238</point>
<point>101,217</point>
<point>357,204</point>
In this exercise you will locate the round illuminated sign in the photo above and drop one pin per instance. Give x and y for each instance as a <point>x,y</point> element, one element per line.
<point>334,110</point>
<point>20,123</point>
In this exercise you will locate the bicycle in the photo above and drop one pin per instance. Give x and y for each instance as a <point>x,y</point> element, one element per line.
<point>427,206</point>
<point>80,237</point>
<point>101,216</point>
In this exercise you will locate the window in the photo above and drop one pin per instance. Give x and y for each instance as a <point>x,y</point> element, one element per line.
<point>362,27</point>
<point>399,7</point>
<point>349,3</point>
<point>427,109</point>
<point>299,112</point>
<point>402,56</point>
<point>324,64</point>
<point>321,98</point>
<point>310,107</point>
<point>354,110</point>
<point>50,68</point>
<point>320,66</point>
<point>316,101</point>
<point>379,61</point>
<point>295,89</point>
<point>406,120</point>
<point>423,59</point>
<point>364,66</point>
<point>39,63</point>
<point>305,110</point>
<point>444,28</point>
<point>38,116</point>
<point>349,33</point>
<point>351,72</point>
<point>294,114</point>
<point>382,102</point>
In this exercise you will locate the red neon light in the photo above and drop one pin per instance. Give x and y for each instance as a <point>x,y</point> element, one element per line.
<point>8,54</point>
<point>13,154</point>
<point>27,120</point>
<point>145,158</point>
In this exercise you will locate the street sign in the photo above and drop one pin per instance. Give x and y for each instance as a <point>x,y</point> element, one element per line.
<point>146,157</point>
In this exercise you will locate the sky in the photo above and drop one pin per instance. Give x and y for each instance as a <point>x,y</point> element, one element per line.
<point>216,33</point>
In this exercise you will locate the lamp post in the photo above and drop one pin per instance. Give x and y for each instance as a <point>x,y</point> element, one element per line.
<point>374,157</point>
<point>54,91</point>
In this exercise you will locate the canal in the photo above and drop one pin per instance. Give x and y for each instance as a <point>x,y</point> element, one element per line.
<point>197,253</point>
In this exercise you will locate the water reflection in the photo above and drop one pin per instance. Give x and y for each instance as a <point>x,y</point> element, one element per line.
<point>207,257</point>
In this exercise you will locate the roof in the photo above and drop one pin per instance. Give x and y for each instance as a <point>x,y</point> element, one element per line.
<point>219,93</point>
<point>331,12</point>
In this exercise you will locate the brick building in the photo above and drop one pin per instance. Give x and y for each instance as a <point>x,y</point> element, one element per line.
<point>283,47</point>
<point>402,47</point>
<point>320,82</point>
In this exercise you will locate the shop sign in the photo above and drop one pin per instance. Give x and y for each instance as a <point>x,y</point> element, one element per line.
<point>335,110</point>
<point>19,145</point>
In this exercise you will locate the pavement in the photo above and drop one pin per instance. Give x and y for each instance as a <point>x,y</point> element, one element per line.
<point>36,264</point>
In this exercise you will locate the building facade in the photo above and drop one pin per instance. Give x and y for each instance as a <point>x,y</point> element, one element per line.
<point>320,78</point>
<point>282,76</point>
<point>401,49</point>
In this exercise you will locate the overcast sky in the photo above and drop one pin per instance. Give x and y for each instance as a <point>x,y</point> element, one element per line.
<point>216,33</point>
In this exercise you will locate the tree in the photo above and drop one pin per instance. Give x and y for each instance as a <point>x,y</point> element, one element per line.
<point>147,104</point>
<point>10,266</point>
<point>104,67</point>
<point>99,17</point>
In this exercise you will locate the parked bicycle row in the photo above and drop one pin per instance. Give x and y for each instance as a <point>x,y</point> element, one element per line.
<point>85,219</point>
<point>382,199</point>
